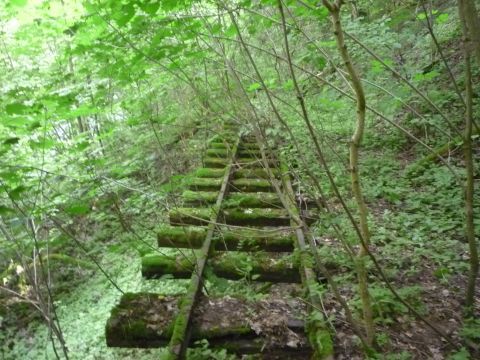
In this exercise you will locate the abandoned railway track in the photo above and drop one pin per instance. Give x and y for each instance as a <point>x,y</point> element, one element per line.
<point>238,220</point>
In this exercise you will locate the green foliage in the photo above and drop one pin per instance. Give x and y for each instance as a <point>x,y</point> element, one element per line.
<point>99,102</point>
<point>204,352</point>
<point>386,307</point>
<point>471,329</point>
<point>460,355</point>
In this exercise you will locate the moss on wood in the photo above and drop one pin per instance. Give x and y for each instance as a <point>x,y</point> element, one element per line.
<point>229,265</point>
<point>215,152</point>
<point>257,217</point>
<point>251,185</point>
<point>248,145</point>
<point>215,163</point>
<point>190,216</point>
<point>218,139</point>
<point>219,145</point>
<point>252,200</point>
<point>132,322</point>
<point>199,197</point>
<point>254,173</point>
<point>146,320</point>
<point>209,173</point>
<point>248,153</point>
<point>205,184</point>
<point>248,162</point>
<point>238,239</point>
<point>174,236</point>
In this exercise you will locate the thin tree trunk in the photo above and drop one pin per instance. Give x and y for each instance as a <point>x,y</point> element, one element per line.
<point>334,9</point>
<point>469,168</point>
<point>472,21</point>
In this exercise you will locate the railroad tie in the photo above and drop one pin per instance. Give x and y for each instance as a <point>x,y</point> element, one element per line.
<point>239,220</point>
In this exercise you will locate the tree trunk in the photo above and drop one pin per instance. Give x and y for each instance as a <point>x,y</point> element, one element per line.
<point>472,22</point>
<point>469,168</point>
<point>355,143</point>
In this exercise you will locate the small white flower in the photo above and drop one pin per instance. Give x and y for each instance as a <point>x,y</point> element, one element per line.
<point>19,270</point>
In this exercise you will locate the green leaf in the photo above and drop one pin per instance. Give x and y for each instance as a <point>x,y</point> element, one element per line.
<point>288,85</point>
<point>377,67</point>
<point>11,141</point>
<point>254,86</point>
<point>170,4</point>
<point>127,12</point>
<point>18,3</point>
<point>42,144</point>
<point>78,209</point>
<point>231,31</point>
<point>151,8</point>
<point>321,12</point>
<point>9,175</point>
<point>421,16</point>
<point>82,146</point>
<point>460,355</point>
<point>15,122</point>
<point>16,108</point>
<point>35,125</point>
<point>321,61</point>
<point>442,18</point>
<point>4,210</point>
<point>216,28</point>
<point>16,193</point>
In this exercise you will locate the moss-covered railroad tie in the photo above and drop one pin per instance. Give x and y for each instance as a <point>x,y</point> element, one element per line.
<point>231,223</point>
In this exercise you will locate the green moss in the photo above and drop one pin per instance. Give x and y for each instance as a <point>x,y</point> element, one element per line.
<point>248,145</point>
<point>216,163</point>
<point>217,139</point>
<point>173,232</point>
<point>205,184</point>
<point>247,162</point>
<point>219,145</point>
<point>257,217</point>
<point>156,265</point>
<point>199,197</point>
<point>254,173</point>
<point>137,329</point>
<point>218,332</point>
<point>251,185</point>
<point>229,265</point>
<point>245,239</point>
<point>252,200</point>
<point>190,216</point>
<point>182,319</point>
<point>258,266</point>
<point>209,173</point>
<point>181,237</point>
<point>250,153</point>
<point>215,152</point>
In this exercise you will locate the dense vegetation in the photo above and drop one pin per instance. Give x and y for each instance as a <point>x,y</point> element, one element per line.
<point>108,105</point>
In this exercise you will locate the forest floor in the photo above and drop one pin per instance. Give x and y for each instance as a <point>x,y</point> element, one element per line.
<point>425,274</point>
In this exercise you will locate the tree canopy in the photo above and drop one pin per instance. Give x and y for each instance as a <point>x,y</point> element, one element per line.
<point>107,116</point>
